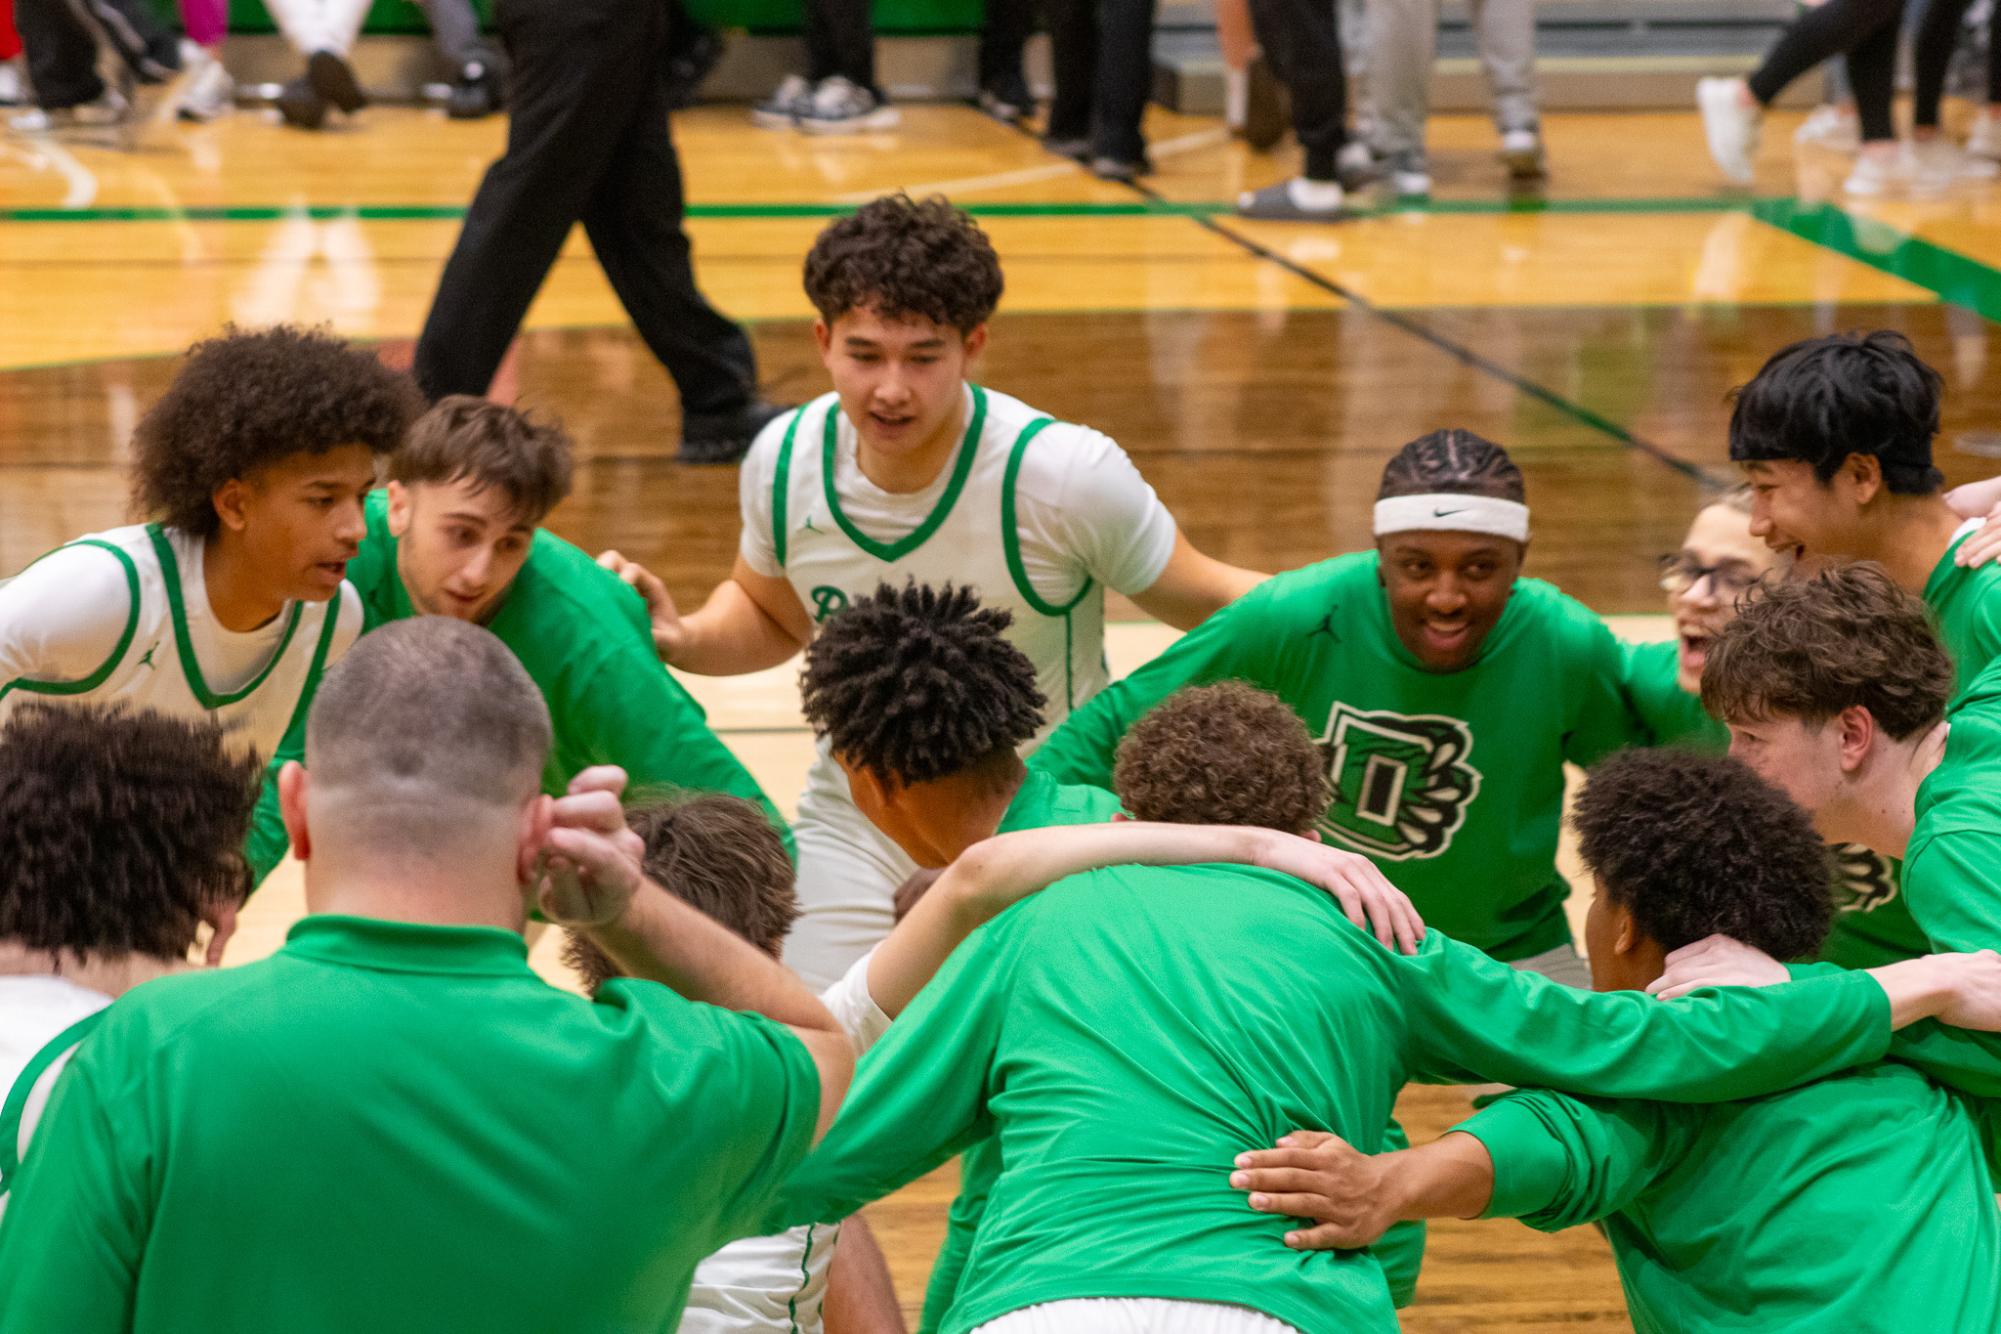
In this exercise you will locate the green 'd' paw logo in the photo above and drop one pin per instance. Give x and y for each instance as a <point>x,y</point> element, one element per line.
<point>1402,782</point>
<point>1863,881</point>
<point>826,601</point>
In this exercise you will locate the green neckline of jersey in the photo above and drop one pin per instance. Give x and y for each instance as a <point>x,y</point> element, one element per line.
<point>961,469</point>
<point>190,667</point>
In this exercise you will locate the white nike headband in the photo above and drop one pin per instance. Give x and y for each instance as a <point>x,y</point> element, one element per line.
<point>1452,512</point>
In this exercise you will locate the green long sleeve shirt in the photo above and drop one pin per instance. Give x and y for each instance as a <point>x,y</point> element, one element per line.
<point>1857,1203</point>
<point>1451,782</point>
<point>1128,1032</point>
<point>1966,605</point>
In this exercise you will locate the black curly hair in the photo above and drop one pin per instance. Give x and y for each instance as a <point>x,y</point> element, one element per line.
<point>1821,399</point>
<point>717,853</point>
<point>1453,461</point>
<point>1227,753</point>
<point>119,829</point>
<point>900,257</point>
<point>1698,845</point>
<point>920,683</point>
<point>252,397</point>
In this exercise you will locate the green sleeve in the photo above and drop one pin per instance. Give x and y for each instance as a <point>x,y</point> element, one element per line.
<point>631,712</point>
<point>909,1110</point>
<point>1958,1058</point>
<point>1668,715</point>
<point>765,1125</point>
<point>979,1168</point>
<point>1227,645</point>
<point>1604,720</point>
<point>1474,1020</point>
<point>75,1230</point>
<point>1560,1161</point>
<point>1952,885</point>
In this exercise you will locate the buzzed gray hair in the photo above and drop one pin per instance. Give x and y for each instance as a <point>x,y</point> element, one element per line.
<point>428,710</point>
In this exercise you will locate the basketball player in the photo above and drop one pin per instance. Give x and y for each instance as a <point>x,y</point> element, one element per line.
<point>909,470</point>
<point>120,831</point>
<point>392,1122</point>
<point>1128,1032</point>
<point>233,600</point>
<point>716,854</point>
<point>1446,694</point>
<point>456,534</point>
<point>1858,1202</point>
<point>1835,435</point>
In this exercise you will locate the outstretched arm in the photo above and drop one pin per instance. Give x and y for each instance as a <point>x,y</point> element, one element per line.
<point>1193,587</point>
<point>1352,1198</point>
<point>750,622</point>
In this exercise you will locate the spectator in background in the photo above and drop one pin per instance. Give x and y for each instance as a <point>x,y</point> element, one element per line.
<point>1004,91</point>
<point>62,38</point>
<point>588,140</point>
<point>1403,41</point>
<point>478,86</point>
<point>323,31</point>
<point>1103,54</point>
<point>13,77</point>
<point>838,94</point>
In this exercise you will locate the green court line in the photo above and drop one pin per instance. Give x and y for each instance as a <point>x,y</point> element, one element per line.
<point>1956,279</point>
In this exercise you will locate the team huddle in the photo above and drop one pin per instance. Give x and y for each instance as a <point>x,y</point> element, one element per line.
<point>1153,956</point>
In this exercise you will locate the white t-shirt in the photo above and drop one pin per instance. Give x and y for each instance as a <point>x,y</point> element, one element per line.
<point>33,1012</point>
<point>120,614</point>
<point>779,1282</point>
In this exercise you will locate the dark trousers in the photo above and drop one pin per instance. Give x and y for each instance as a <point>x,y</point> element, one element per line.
<point>1302,40</point>
<point>587,140</point>
<point>1938,34</point>
<point>1008,26</point>
<point>61,37</point>
<point>1103,54</point>
<point>840,39</point>
<point>1866,32</point>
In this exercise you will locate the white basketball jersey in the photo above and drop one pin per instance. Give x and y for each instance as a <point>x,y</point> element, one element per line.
<point>154,665</point>
<point>971,538</point>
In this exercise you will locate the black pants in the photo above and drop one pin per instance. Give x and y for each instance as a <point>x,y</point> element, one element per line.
<point>1302,40</point>
<point>840,39</point>
<point>61,40</point>
<point>1866,31</point>
<point>1008,26</point>
<point>1103,54</point>
<point>587,140</point>
<point>1938,34</point>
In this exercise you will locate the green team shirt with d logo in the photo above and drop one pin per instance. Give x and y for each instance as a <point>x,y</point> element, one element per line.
<point>1451,782</point>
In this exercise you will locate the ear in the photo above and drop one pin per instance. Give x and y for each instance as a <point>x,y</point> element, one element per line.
<point>229,499</point>
<point>294,783</point>
<point>1856,736</point>
<point>1625,931</point>
<point>823,338</point>
<point>976,342</point>
<point>538,816</point>
<point>399,509</point>
<point>1865,476</point>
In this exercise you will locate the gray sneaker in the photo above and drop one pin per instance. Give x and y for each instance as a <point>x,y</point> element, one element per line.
<point>840,106</point>
<point>1275,203</point>
<point>1409,175</point>
<point>782,109</point>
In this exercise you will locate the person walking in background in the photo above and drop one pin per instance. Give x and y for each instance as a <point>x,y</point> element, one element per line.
<point>478,85</point>
<point>322,31</point>
<point>588,140</point>
<point>1403,41</point>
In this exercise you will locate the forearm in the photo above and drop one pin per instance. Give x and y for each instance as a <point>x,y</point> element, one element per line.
<point>1922,988</point>
<point>730,635</point>
<point>1194,587</point>
<point>1451,1177</point>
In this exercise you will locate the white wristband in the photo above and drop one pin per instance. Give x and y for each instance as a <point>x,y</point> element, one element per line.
<point>1453,512</point>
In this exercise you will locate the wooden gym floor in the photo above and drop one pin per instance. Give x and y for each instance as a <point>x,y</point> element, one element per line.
<point>1259,373</point>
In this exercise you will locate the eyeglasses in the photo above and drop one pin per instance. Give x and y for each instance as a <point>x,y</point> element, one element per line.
<point>1730,579</point>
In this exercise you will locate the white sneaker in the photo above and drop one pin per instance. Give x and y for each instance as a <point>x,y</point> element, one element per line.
<point>841,106</point>
<point>110,110</point>
<point>1877,174</point>
<point>1410,175</point>
<point>210,91</point>
<point>1521,153</point>
<point>781,110</point>
<point>1936,165</point>
<point>1985,141</point>
<point>1731,127</point>
<point>13,84</point>
<point>1831,126</point>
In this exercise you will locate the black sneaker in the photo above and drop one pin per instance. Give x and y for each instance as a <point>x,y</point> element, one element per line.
<point>333,79</point>
<point>692,61</point>
<point>1120,169</point>
<point>1007,100</point>
<point>727,438</point>
<point>301,107</point>
<point>476,95</point>
<point>1077,150</point>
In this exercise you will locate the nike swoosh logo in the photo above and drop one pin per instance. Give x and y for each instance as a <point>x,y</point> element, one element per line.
<point>1440,514</point>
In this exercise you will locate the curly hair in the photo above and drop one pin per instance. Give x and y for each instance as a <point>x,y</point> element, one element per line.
<point>1698,845</point>
<point>902,257</point>
<point>919,684</point>
<point>1222,754</point>
<point>1809,648</point>
<point>1453,461</point>
<point>719,854</point>
<point>1820,400</point>
<point>252,397</point>
<point>490,444</point>
<point>119,829</point>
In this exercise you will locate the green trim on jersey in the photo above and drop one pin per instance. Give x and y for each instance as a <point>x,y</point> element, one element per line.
<point>103,673</point>
<point>782,479</point>
<point>16,1105</point>
<point>1018,569</point>
<point>314,670</point>
<point>903,546</point>
<point>805,1277</point>
<point>170,572</point>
